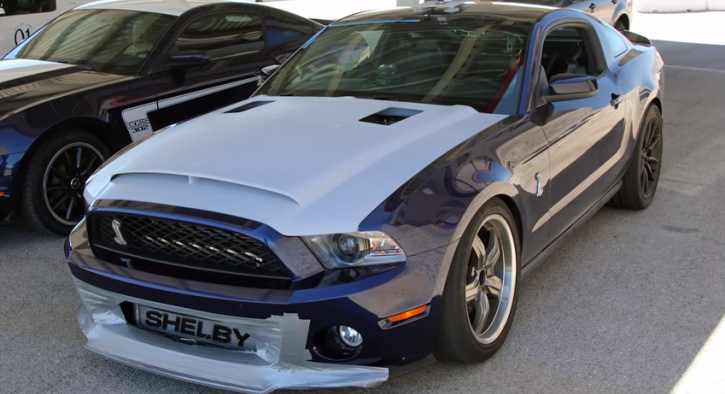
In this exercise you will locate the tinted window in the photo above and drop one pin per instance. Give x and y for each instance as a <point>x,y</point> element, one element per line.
<point>565,52</point>
<point>293,28</point>
<point>471,62</point>
<point>223,35</point>
<point>614,43</point>
<point>113,41</point>
<point>22,7</point>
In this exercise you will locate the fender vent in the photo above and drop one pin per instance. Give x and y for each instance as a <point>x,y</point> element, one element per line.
<point>390,116</point>
<point>253,104</point>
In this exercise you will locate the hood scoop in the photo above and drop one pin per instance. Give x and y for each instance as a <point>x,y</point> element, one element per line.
<point>248,106</point>
<point>390,116</point>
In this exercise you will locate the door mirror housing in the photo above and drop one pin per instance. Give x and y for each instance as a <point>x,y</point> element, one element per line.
<point>571,87</point>
<point>265,72</point>
<point>189,59</point>
<point>268,70</point>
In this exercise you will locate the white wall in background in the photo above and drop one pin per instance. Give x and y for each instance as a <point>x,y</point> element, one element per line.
<point>330,9</point>
<point>679,5</point>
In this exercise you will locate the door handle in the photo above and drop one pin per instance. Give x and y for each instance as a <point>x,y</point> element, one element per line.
<point>616,100</point>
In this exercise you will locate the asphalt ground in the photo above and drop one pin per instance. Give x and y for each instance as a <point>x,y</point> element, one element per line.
<point>632,303</point>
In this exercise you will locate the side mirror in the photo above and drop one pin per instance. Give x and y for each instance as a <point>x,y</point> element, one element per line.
<point>269,70</point>
<point>189,58</point>
<point>265,73</point>
<point>571,87</point>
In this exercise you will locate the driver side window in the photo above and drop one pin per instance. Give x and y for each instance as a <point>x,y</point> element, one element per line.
<point>566,52</point>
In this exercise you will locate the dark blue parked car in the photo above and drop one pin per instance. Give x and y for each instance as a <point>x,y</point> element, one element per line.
<point>374,205</point>
<point>105,74</point>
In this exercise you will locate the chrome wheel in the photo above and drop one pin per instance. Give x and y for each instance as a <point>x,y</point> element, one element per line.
<point>650,158</point>
<point>64,180</point>
<point>491,279</point>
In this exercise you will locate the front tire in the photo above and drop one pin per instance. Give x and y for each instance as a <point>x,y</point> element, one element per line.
<point>52,195</point>
<point>479,299</point>
<point>639,184</point>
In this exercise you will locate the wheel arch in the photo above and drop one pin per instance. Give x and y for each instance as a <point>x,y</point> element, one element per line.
<point>656,101</point>
<point>626,21</point>
<point>514,208</point>
<point>98,127</point>
<point>505,192</point>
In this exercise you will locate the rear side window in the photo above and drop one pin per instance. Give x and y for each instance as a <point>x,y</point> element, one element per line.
<point>223,35</point>
<point>613,41</point>
<point>293,29</point>
<point>23,7</point>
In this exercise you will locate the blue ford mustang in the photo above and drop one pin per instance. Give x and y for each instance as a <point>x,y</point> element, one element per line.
<point>108,73</point>
<point>374,205</point>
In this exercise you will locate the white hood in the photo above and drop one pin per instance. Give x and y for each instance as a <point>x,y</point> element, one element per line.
<point>302,165</point>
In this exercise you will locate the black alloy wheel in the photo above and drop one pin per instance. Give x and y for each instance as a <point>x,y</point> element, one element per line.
<point>65,178</point>
<point>52,194</point>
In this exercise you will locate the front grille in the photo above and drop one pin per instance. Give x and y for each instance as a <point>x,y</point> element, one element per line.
<point>187,246</point>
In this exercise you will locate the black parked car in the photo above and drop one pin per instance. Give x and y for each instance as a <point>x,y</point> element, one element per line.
<point>108,73</point>
<point>618,13</point>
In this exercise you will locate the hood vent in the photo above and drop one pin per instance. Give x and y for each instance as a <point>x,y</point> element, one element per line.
<point>253,104</point>
<point>390,116</point>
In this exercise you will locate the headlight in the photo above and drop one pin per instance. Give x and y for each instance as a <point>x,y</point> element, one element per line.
<point>355,249</point>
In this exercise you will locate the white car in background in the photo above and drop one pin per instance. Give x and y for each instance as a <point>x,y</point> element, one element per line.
<point>21,18</point>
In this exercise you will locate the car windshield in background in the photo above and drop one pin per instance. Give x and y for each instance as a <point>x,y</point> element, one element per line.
<point>548,3</point>
<point>113,41</point>
<point>475,62</point>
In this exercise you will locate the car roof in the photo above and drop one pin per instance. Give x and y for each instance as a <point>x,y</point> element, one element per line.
<point>506,10</point>
<point>168,7</point>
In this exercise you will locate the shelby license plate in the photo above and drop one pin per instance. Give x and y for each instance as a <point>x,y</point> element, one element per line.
<point>193,329</point>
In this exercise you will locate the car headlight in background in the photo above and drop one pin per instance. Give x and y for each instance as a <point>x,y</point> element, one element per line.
<point>356,249</point>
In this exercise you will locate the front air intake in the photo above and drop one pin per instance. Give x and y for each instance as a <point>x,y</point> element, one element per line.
<point>390,116</point>
<point>185,250</point>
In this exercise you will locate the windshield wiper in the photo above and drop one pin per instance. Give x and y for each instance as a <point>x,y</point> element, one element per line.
<point>388,98</point>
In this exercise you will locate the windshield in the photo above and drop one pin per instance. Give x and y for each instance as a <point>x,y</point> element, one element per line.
<point>475,62</point>
<point>550,3</point>
<point>112,41</point>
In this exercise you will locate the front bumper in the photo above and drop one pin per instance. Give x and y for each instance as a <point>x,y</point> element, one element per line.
<point>284,323</point>
<point>9,165</point>
<point>278,363</point>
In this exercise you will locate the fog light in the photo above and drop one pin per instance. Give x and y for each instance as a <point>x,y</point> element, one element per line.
<point>350,336</point>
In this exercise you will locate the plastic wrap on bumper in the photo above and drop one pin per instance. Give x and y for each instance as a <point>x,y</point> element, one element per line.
<point>279,361</point>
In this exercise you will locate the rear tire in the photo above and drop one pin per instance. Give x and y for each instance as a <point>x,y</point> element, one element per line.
<point>639,184</point>
<point>52,193</point>
<point>479,299</point>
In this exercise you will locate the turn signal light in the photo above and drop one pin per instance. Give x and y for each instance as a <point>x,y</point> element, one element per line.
<point>407,315</point>
<point>2,194</point>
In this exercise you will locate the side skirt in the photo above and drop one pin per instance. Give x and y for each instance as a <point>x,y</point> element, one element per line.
<point>541,257</point>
